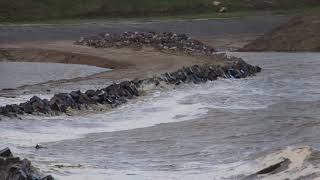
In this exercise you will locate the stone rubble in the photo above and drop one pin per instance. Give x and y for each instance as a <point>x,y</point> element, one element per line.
<point>117,94</point>
<point>166,41</point>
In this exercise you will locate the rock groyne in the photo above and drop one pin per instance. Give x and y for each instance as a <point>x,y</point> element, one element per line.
<point>13,168</point>
<point>119,93</point>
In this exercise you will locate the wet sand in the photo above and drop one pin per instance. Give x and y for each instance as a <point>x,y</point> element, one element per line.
<point>126,64</point>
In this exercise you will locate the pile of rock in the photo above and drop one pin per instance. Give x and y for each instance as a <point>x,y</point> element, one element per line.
<point>12,168</point>
<point>117,94</point>
<point>162,41</point>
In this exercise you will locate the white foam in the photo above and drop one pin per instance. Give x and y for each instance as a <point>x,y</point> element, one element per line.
<point>160,107</point>
<point>180,104</point>
<point>299,167</point>
<point>97,174</point>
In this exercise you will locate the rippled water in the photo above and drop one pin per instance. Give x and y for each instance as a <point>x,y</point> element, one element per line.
<point>14,74</point>
<point>209,131</point>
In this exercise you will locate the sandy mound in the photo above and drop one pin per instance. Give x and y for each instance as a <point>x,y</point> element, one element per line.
<point>301,33</point>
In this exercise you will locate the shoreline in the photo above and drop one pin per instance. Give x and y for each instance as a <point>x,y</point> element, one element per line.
<point>126,63</point>
<point>146,60</point>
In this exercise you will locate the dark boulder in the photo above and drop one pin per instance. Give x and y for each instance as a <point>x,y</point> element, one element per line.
<point>80,98</point>
<point>90,93</point>
<point>129,89</point>
<point>40,105</point>
<point>61,102</point>
<point>13,109</point>
<point>6,153</point>
<point>49,177</point>
<point>35,105</point>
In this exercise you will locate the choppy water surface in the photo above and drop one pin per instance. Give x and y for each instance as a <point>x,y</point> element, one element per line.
<point>14,74</point>
<point>209,131</point>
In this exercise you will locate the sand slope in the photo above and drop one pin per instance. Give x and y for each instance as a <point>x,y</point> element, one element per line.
<point>301,33</point>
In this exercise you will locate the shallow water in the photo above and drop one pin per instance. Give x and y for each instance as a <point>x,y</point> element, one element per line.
<point>15,74</point>
<point>210,131</point>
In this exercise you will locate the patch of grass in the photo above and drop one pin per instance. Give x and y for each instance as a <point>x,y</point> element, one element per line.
<point>44,10</point>
<point>20,10</point>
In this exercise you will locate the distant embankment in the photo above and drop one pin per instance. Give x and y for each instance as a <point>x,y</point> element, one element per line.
<point>301,33</point>
<point>32,10</point>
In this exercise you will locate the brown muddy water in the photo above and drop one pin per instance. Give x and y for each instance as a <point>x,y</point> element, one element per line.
<point>226,129</point>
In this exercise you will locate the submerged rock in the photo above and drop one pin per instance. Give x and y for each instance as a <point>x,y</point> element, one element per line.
<point>39,146</point>
<point>12,168</point>
<point>117,94</point>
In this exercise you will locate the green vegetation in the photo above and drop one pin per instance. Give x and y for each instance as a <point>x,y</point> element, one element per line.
<point>39,10</point>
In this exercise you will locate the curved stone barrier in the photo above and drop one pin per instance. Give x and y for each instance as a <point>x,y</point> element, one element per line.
<point>117,94</point>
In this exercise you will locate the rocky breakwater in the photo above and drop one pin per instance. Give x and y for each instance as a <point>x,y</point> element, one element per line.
<point>119,93</point>
<point>165,41</point>
<point>13,168</point>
